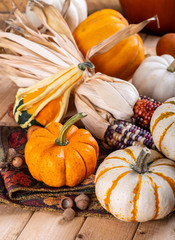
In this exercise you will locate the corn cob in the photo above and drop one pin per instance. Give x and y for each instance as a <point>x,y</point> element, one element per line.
<point>143,111</point>
<point>121,134</point>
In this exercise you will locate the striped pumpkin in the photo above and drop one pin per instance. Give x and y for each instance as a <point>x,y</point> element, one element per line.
<point>162,128</point>
<point>136,184</point>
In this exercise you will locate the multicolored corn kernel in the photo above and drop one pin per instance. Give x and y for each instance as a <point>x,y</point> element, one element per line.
<point>121,134</point>
<point>143,111</point>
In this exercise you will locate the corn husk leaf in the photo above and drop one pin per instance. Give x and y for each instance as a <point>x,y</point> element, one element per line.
<point>115,97</point>
<point>96,120</point>
<point>56,49</point>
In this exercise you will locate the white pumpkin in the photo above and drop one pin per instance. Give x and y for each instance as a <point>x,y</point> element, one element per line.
<point>155,77</point>
<point>162,128</point>
<point>136,185</point>
<point>77,12</point>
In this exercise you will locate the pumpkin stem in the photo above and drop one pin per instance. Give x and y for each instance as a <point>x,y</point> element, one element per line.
<point>62,140</point>
<point>141,165</point>
<point>171,68</point>
<point>89,65</point>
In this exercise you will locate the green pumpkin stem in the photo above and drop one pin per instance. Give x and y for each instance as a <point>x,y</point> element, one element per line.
<point>171,68</point>
<point>62,140</point>
<point>141,165</point>
<point>89,65</point>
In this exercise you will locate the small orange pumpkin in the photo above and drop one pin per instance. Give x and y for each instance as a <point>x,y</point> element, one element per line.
<point>166,45</point>
<point>64,160</point>
<point>120,61</point>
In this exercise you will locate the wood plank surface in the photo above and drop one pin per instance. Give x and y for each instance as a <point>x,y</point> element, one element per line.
<point>12,221</point>
<point>106,229</point>
<point>163,229</point>
<point>47,226</point>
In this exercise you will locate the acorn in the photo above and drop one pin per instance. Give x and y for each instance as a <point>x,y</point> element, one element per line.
<point>82,201</point>
<point>68,214</point>
<point>18,161</point>
<point>66,202</point>
<point>12,160</point>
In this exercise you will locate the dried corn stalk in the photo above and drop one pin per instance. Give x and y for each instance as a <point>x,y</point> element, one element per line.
<point>32,56</point>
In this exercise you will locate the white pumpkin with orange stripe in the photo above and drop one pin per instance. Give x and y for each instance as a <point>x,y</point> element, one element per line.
<point>162,128</point>
<point>136,184</point>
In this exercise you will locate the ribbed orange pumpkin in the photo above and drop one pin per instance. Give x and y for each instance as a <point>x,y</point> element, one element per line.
<point>61,155</point>
<point>122,60</point>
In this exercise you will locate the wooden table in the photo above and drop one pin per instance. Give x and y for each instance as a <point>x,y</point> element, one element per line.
<point>18,224</point>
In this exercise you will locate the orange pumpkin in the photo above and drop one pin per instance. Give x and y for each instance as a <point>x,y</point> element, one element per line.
<point>61,155</point>
<point>120,61</point>
<point>166,45</point>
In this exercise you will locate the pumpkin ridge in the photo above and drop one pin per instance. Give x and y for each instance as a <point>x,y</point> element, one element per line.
<point>127,68</point>
<point>161,117</point>
<point>82,159</point>
<point>109,191</point>
<point>121,49</point>
<point>164,164</point>
<point>163,135</point>
<point>115,157</point>
<point>168,180</point>
<point>136,193</point>
<point>153,161</point>
<point>88,158</point>
<point>40,163</point>
<point>31,164</point>
<point>83,132</point>
<point>102,172</point>
<point>94,147</point>
<point>157,202</point>
<point>71,149</point>
<point>170,102</point>
<point>130,152</point>
<point>102,13</point>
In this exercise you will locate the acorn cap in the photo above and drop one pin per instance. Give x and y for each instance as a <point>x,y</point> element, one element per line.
<point>66,203</point>
<point>11,153</point>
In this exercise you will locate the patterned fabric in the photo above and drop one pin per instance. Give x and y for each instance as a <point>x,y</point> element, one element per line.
<point>19,188</point>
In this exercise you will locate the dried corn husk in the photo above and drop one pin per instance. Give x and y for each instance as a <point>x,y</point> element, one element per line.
<point>102,95</point>
<point>72,11</point>
<point>33,56</point>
